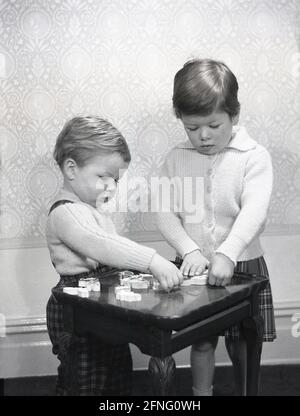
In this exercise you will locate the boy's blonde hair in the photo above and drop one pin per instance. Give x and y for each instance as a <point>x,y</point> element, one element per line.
<point>203,86</point>
<point>83,137</point>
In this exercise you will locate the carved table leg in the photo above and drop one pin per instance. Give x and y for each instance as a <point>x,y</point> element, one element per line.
<point>253,330</point>
<point>162,373</point>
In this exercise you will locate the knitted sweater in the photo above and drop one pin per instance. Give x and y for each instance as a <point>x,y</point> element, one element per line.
<point>79,238</point>
<point>235,187</point>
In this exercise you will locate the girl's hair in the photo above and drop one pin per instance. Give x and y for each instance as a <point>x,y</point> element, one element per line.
<point>203,86</point>
<point>82,137</point>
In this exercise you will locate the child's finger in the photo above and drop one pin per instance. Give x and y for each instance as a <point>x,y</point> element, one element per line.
<point>163,282</point>
<point>170,281</point>
<point>183,264</point>
<point>185,269</point>
<point>200,270</point>
<point>175,280</point>
<point>193,269</point>
<point>219,281</point>
<point>180,276</point>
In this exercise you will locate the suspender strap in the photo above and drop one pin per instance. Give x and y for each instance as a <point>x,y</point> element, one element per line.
<point>58,203</point>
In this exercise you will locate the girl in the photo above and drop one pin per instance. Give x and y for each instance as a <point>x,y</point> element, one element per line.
<point>82,241</point>
<point>236,184</point>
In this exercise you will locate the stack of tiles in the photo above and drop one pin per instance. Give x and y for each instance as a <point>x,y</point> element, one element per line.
<point>91,284</point>
<point>139,283</point>
<point>198,280</point>
<point>124,293</point>
<point>135,281</point>
<point>84,287</point>
<point>125,277</point>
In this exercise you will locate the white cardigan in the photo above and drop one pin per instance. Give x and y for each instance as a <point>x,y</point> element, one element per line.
<point>235,187</point>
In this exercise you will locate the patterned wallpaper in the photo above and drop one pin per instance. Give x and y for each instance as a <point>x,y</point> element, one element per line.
<point>118,58</point>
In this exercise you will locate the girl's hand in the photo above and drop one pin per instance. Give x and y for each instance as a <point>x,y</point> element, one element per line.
<point>194,263</point>
<point>166,272</point>
<point>221,270</point>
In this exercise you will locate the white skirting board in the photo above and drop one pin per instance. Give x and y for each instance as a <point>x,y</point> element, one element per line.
<point>25,349</point>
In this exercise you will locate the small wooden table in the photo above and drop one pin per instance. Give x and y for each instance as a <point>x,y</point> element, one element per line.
<point>164,323</point>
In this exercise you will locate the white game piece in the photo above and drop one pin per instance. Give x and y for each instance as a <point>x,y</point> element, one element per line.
<point>87,283</point>
<point>119,289</point>
<point>82,283</point>
<point>121,295</point>
<point>132,297</point>
<point>83,292</point>
<point>126,273</point>
<point>125,281</point>
<point>96,287</point>
<point>139,284</point>
<point>125,276</point>
<point>205,272</point>
<point>125,296</point>
<point>146,275</point>
<point>70,290</point>
<point>199,280</point>
<point>186,282</point>
<point>137,297</point>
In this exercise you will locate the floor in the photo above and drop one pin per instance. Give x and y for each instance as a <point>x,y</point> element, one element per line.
<point>279,380</point>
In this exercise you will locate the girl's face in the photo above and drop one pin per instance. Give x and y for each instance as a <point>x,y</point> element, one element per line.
<point>96,181</point>
<point>209,134</point>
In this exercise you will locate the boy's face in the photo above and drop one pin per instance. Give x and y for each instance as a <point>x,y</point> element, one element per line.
<point>96,181</point>
<point>209,134</point>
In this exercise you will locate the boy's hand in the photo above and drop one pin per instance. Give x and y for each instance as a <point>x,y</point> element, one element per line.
<point>194,263</point>
<point>165,272</point>
<point>221,270</point>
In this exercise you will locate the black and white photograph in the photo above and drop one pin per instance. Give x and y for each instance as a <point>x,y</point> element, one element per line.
<point>150,201</point>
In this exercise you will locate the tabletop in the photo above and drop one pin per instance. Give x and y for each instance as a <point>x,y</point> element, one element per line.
<point>169,310</point>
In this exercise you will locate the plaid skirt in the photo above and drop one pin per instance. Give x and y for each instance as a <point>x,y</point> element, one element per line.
<point>256,266</point>
<point>101,369</point>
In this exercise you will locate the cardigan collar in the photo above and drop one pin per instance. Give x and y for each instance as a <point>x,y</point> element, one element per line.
<point>240,141</point>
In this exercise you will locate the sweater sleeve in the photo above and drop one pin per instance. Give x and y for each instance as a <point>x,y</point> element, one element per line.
<point>168,220</point>
<point>77,229</point>
<point>255,199</point>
